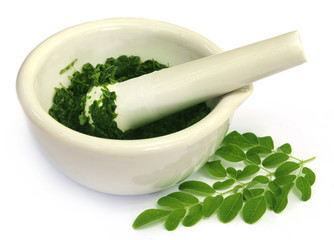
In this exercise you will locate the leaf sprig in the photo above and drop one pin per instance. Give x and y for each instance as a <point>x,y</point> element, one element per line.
<point>261,181</point>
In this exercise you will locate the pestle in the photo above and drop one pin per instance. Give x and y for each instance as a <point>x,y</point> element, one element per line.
<point>153,96</point>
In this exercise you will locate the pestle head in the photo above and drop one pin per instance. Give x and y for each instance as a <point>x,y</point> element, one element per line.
<point>153,96</point>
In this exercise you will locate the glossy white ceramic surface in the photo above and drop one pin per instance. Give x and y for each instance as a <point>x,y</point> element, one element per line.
<point>118,166</point>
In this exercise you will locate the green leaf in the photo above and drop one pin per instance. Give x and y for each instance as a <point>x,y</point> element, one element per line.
<point>274,160</point>
<point>285,148</point>
<point>216,169</point>
<point>232,172</point>
<point>185,198</point>
<point>253,157</point>
<point>248,171</point>
<point>275,187</point>
<point>266,142</point>
<point>149,216</point>
<point>251,137</point>
<point>197,187</point>
<point>282,199</point>
<point>247,193</point>
<point>193,216</point>
<point>261,179</point>
<point>211,204</point>
<point>259,150</point>
<point>304,187</point>
<point>170,202</point>
<point>251,193</point>
<point>256,191</point>
<point>254,209</point>
<point>174,219</point>
<point>270,199</point>
<point>230,207</point>
<point>231,153</point>
<point>286,168</point>
<point>223,185</point>
<point>309,175</point>
<point>237,139</point>
<point>285,179</point>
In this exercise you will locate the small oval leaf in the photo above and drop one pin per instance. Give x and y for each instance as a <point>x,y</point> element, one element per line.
<point>211,204</point>
<point>185,198</point>
<point>232,172</point>
<point>275,187</point>
<point>216,169</point>
<point>253,157</point>
<point>259,150</point>
<point>304,187</point>
<point>274,159</point>
<point>149,216</point>
<point>285,148</point>
<point>223,185</point>
<point>193,216</point>
<point>266,142</point>
<point>174,219</point>
<point>285,179</point>
<point>309,175</point>
<point>251,137</point>
<point>230,207</point>
<point>197,187</point>
<point>231,153</point>
<point>261,179</point>
<point>286,168</point>
<point>170,202</point>
<point>237,139</point>
<point>270,199</point>
<point>248,171</point>
<point>254,209</point>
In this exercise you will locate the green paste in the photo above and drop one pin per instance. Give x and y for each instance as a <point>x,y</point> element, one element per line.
<point>69,103</point>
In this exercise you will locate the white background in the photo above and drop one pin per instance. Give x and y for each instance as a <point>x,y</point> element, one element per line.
<point>38,202</point>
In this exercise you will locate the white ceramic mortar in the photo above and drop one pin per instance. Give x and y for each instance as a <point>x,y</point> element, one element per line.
<point>124,167</point>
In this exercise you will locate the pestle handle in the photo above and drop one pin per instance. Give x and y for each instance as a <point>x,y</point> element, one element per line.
<point>153,96</point>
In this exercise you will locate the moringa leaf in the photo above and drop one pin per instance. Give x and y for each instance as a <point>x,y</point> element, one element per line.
<point>197,187</point>
<point>232,172</point>
<point>185,198</point>
<point>285,148</point>
<point>193,216</point>
<point>248,171</point>
<point>286,168</point>
<point>251,137</point>
<point>149,216</point>
<point>285,179</point>
<point>309,175</point>
<point>253,157</point>
<point>174,219</point>
<point>282,199</point>
<point>216,169</point>
<point>304,187</point>
<point>275,187</point>
<point>237,139</point>
<point>230,207</point>
<point>274,160</point>
<point>259,150</point>
<point>231,153</point>
<point>223,185</point>
<point>266,142</point>
<point>211,204</point>
<point>170,202</point>
<point>270,199</point>
<point>254,209</point>
<point>261,179</point>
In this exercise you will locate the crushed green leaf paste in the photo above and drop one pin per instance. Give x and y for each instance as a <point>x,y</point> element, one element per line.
<point>69,103</point>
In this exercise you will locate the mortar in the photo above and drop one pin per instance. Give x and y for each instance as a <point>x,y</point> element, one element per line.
<point>125,167</point>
